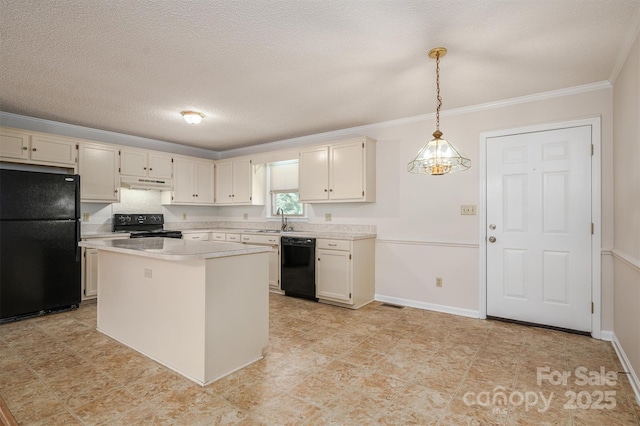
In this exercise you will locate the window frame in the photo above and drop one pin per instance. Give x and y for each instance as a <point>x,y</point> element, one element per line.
<point>272,205</point>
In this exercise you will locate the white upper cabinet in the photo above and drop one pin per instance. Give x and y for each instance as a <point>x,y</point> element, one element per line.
<point>192,181</point>
<point>37,148</point>
<point>339,172</point>
<point>240,182</point>
<point>135,162</point>
<point>98,169</point>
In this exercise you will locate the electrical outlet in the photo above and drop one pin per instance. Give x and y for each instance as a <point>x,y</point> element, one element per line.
<point>148,273</point>
<point>245,216</point>
<point>85,217</point>
<point>438,282</point>
<point>327,217</point>
<point>468,210</point>
<point>184,216</point>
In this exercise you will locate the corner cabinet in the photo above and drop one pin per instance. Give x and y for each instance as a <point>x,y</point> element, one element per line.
<point>345,272</point>
<point>340,172</point>
<point>98,169</point>
<point>192,182</point>
<point>240,182</point>
<point>142,163</point>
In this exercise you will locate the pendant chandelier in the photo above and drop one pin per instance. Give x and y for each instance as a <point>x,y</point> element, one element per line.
<point>438,156</point>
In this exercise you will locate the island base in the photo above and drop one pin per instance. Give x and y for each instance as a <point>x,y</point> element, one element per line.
<point>203,318</point>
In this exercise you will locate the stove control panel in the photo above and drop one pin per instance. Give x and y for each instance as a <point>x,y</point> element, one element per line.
<point>125,220</point>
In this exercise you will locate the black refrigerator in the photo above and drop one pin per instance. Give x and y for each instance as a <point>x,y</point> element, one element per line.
<point>39,232</point>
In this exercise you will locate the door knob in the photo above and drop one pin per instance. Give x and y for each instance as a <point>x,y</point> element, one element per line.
<point>492,226</point>
<point>492,239</point>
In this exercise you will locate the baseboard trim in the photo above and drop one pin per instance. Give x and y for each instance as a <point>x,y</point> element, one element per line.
<point>428,306</point>
<point>607,335</point>
<point>633,377</point>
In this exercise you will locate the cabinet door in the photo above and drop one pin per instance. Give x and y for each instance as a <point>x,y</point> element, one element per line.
<point>14,144</point>
<point>224,182</point>
<point>274,268</point>
<point>218,236</point>
<point>160,166</point>
<point>313,174</point>
<point>91,273</point>
<point>98,173</point>
<point>204,182</point>
<point>346,179</point>
<point>334,275</point>
<point>133,163</point>
<point>242,180</point>
<point>53,150</point>
<point>183,181</point>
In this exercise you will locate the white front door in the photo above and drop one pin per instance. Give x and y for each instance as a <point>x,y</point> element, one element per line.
<point>538,222</point>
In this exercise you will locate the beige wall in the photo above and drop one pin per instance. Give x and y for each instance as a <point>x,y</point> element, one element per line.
<point>421,234</point>
<point>626,108</point>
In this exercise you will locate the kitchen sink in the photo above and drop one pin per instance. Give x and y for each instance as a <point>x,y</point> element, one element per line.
<point>268,231</point>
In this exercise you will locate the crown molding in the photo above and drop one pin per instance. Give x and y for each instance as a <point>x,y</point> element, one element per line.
<point>72,130</point>
<point>362,130</point>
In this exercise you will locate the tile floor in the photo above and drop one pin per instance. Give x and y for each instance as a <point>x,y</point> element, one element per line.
<point>324,365</point>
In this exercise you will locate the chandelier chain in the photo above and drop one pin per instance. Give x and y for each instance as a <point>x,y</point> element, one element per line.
<point>438,91</point>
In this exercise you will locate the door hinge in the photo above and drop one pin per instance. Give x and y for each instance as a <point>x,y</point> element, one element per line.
<point>592,228</point>
<point>349,295</point>
<point>119,170</point>
<point>119,152</point>
<point>349,257</point>
<point>592,309</point>
<point>363,193</point>
<point>591,149</point>
<point>77,146</point>
<point>172,198</point>
<point>250,198</point>
<point>362,145</point>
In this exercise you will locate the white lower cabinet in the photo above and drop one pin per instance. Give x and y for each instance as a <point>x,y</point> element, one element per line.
<point>345,273</point>
<point>90,268</point>
<point>274,256</point>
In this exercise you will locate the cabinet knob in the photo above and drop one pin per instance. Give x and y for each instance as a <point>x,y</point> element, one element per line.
<point>325,190</point>
<point>318,259</point>
<point>115,191</point>
<point>150,168</point>
<point>33,149</point>
<point>229,195</point>
<point>145,168</point>
<point>331,190</point>
<point>24,148</point>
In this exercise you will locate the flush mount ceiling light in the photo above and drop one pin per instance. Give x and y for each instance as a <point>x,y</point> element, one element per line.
<point>192,117</point>
<point>438,156</point>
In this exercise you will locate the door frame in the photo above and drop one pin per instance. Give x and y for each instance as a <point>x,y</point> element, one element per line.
<point>596,203</point>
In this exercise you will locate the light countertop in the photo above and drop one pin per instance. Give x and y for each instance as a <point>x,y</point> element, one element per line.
<point>173,249</point>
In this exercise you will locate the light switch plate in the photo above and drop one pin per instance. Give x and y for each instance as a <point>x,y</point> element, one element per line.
<point>184,216</point>
<point>245,216</point>
<point>85,217</point>
<point>327,217</point>
<point>468,210</point>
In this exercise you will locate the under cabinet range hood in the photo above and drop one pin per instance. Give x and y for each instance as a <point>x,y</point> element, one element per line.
<point>145,183</point>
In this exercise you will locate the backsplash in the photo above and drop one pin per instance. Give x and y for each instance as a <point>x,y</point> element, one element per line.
<point>297,226</point>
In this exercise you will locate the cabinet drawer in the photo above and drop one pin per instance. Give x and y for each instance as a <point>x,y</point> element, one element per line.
<point>218,236</point>
<point>261,239</point>
<point>233,237</point>
<point>197,236</point>
<point>333,244</point>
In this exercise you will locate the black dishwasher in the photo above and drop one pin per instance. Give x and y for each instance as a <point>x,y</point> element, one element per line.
<point>298,267</point>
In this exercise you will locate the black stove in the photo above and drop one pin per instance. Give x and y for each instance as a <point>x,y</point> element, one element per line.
<point>143,225</point>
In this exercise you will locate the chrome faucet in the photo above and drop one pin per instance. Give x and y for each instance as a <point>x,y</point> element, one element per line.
<point>280,212</point>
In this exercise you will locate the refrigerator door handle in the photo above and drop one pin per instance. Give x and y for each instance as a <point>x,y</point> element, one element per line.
<point>78,205</point>
<point>78,248</point>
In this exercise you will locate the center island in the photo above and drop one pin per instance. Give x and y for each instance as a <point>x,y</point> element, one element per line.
<point>200,308</point>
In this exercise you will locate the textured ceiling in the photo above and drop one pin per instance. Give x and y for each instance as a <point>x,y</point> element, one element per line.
<point>264,70</point>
